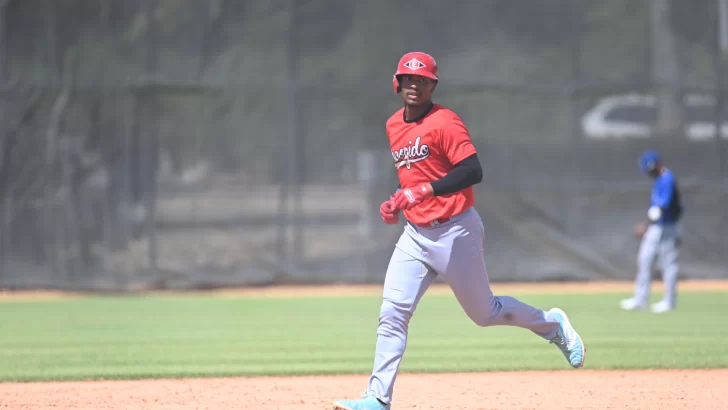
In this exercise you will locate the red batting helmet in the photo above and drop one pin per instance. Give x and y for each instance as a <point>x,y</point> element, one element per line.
<point>415,63</point>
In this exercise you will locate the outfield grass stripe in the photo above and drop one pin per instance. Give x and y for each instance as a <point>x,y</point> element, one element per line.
<point>128,337</point>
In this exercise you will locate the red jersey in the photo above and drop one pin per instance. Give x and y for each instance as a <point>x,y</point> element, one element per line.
<point>425,151</point>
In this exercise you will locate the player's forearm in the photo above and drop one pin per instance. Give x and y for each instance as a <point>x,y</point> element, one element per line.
<point>466,173</point>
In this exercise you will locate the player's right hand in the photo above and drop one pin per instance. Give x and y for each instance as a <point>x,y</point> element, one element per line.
<point>389,213</point>
<point>410,197</point>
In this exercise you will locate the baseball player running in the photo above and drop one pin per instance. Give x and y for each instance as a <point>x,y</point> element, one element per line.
<point>437,166</point>
<point>659,235</point>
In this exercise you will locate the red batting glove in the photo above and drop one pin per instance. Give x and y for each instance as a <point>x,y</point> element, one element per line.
<point>410,197</point>
<point>389,213</point>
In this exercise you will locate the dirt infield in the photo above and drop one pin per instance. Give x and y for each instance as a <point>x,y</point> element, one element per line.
<point>571,389</point>
<point>368,290</point>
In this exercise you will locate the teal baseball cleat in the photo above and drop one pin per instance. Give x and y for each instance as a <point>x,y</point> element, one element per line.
<point>567,340</point>
<point>368,401</point>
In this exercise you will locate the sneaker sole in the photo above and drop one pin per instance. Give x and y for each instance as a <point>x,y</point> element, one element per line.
<point>637,309</point>
<point>633,308</point>
<point>583,347</point>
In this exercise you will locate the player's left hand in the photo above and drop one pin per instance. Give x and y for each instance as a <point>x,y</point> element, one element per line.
<point>410,197</point>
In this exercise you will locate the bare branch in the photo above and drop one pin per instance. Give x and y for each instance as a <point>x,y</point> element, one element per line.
<point>59,106</point>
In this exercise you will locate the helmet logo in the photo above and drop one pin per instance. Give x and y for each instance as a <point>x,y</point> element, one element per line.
<point>414,64</point>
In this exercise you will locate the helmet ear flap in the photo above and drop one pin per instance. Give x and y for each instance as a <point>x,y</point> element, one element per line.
<point>395,84</point>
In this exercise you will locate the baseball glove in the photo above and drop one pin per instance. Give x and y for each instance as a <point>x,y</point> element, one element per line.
<point>640,229</point>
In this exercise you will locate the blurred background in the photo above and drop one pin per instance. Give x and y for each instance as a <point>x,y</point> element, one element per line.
<point>194,144</point>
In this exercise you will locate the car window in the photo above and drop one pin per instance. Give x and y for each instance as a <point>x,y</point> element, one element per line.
<point>632,113</point>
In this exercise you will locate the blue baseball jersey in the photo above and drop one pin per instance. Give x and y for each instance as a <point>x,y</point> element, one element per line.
<point>666,195</point>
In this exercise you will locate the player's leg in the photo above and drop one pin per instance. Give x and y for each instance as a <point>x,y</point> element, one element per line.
<point>467,275</point>
<point>645,259</point>
<point>668,254</point>
<point>405,283</point>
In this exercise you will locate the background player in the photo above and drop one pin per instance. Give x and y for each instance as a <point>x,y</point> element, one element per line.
<point>437,165</point>
<point>659,236</point>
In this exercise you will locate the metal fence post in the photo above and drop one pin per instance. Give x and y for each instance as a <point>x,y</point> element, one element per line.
<point>149,101</point>
<point>572,207</point>
<point>721,62</point>
<point>290,184</point>
<point>5,156</point>
<point>297,176</point>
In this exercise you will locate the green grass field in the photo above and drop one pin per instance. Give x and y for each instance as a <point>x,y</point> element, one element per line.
<point>208,335</point>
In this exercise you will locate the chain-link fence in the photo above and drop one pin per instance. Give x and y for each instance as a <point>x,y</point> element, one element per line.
<point>182,143</point>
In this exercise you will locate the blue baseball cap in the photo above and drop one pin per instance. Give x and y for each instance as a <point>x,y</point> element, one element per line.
<point>648,160</point>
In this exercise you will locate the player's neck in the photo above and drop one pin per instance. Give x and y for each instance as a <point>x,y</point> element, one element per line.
<point>415,112</point>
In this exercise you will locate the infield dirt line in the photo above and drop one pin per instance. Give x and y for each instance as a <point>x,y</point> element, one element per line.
<point>498,288</point>
<point>347,290</point>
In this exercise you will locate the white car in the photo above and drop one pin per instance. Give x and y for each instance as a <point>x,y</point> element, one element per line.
<point>630,115</point>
